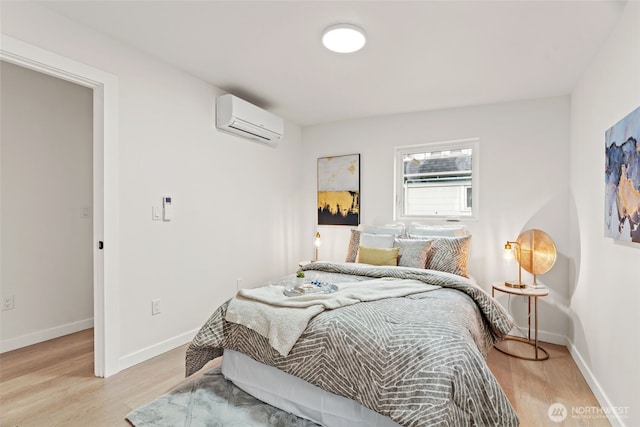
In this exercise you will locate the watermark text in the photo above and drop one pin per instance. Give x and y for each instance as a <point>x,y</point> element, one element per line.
<point>558,412</point>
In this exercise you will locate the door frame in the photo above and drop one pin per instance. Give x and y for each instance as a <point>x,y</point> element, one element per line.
<point>105,186</point>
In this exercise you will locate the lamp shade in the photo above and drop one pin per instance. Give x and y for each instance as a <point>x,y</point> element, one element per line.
<point>507,255</point>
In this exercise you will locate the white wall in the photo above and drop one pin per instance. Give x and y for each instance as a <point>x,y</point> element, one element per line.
<point>258,222</point>
<point>605,285</point>
<point>524,158</point>
<point>235,201</point>
<point>46,181</point>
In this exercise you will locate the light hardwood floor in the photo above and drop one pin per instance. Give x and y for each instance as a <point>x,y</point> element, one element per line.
<point>52,384</point>
<point>533,386</point>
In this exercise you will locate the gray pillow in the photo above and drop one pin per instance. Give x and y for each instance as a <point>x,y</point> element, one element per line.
<point>354,244</point>
<point>413,253</point>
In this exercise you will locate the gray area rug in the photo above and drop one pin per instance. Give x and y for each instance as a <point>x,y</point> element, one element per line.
<point>211,400</point>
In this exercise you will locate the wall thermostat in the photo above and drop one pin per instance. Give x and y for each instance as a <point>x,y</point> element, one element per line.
<point>167,208</point>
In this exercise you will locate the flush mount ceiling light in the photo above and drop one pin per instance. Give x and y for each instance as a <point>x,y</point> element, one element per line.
<point>343,38</point>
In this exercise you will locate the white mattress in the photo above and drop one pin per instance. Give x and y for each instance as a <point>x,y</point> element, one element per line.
<point>297,396</point>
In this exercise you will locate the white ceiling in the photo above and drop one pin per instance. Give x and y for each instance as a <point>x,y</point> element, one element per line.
<point>420,55</point>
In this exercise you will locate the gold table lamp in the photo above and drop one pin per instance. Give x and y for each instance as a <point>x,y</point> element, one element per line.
<point>519,284</point>
<point>317,244</point>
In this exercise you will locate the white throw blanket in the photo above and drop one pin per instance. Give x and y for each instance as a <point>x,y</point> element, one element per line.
<point>283,319</point>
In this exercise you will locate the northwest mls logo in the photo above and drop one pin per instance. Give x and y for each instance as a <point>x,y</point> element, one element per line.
<point>557,412</point>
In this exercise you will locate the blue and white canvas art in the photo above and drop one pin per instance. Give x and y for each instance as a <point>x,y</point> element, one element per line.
<point>622,179</point>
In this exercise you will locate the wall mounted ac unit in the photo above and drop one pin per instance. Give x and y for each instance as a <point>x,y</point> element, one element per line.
<point>239,117</point>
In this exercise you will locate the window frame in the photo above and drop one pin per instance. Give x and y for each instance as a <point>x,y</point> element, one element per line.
<point>399,194</point>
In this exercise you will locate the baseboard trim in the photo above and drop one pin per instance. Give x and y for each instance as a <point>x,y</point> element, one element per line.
<point>552,338</point>
<point>597,390</point>
<point>44,335</point>
<point>544,336</point>
<point>152,351</point>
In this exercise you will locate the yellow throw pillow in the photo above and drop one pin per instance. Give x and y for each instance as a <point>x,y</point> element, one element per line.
<point>378,256</point>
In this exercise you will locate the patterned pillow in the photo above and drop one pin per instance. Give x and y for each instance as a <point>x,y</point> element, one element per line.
<point>378,256</point>
<point>413,253</point>
<point>448,254</point>
<point>354,243</point>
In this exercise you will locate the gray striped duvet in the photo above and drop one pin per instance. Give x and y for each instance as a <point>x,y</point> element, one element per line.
<point>418,359</point>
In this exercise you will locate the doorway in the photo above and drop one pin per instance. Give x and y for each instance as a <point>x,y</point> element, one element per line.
<point>105,191</point>
<point>47,230</point>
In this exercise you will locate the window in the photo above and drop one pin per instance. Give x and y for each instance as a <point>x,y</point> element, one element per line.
<point>438,180</point>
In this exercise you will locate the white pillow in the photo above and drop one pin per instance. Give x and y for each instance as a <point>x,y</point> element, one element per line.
<point>396,230</point>
<point>438,230</point>
<point>377,240</point>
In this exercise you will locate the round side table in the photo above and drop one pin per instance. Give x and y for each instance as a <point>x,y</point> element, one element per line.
<point>531,293</point>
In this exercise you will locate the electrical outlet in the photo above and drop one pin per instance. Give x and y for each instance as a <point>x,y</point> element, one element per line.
<point>238,283</point>
<point>8,303</point>
<point>155,306</point>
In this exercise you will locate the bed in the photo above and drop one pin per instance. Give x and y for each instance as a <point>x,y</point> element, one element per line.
<point>394,345</point>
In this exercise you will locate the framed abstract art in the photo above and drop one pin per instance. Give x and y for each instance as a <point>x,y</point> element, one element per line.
<point>339,190</point>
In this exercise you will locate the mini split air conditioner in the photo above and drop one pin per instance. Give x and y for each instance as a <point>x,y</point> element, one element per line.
<point>239,117</point>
